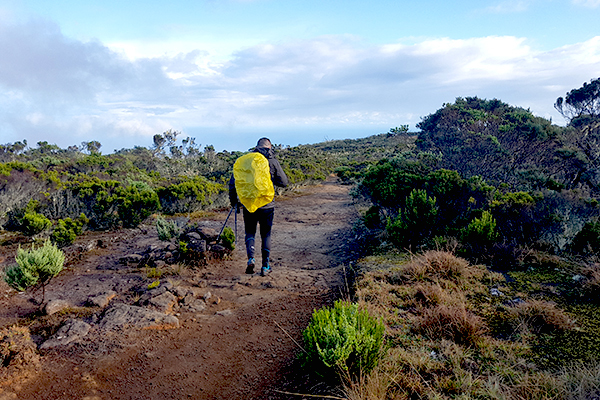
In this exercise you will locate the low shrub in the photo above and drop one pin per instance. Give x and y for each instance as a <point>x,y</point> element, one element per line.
<point>343,339</point>
<point>167,229</point>
<point>36,266</point>
<point>480,232</point>
<point>228,238</point>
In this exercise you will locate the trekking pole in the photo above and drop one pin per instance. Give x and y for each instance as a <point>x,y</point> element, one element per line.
<point>226,219</point>
<point>236,213</point>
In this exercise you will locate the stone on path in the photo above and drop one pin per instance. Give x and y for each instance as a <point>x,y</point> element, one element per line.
<point>124,316</point>
<point>71,331</point>
<point>102,299</point>
<point>164,302</point>
<point>54,306</point>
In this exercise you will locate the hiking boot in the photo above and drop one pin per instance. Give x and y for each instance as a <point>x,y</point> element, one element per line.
<point>250,267</point>
<point>264,271</point>
<point>266,268</point>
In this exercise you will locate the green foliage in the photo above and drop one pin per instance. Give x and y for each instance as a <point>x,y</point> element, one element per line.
<point>492,139</point>
<point>34,223</point>
<point>167,229</point>
<point>343,339</point>
<point>35,266</point>
<point>416,222</point>
<point>135,204</point>
<point>228,238</point>
<point>66,230</point>
<point>580,102</point>
<point>191,194</point>
<point>480,231</point>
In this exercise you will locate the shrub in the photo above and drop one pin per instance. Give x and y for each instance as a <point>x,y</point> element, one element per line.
<point>166,229</point>
<point>36,266</point>
<point>588,239</point>
<point>135,204</point>
<point>67,230</point>
<point>343,339</point>
<point>34,223</point>
<point>228,238</point>
<point>192,194</point>
<point>480,231</point>
<point>417,220</point>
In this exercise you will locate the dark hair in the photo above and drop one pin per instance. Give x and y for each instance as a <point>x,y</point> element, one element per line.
<point>262,142</point>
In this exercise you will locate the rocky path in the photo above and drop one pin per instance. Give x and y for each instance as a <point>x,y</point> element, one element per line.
<point>216,332</point>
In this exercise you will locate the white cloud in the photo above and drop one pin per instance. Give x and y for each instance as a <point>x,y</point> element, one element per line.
<point>587,3</point>
<point>510,6</point>
<point>61,90</point>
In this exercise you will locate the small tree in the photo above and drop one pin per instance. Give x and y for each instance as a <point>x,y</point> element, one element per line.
<point>36,266</point>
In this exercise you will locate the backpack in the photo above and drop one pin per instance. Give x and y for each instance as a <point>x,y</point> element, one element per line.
<point>253,182</point>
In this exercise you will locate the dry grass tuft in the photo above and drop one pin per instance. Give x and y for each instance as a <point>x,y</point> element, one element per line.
<point>18,355</point>
<point>539,317</point>
<point>454,323</point>
<point>435,265</point>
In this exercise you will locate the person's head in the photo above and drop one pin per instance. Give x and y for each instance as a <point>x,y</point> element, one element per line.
<point>264,142</point>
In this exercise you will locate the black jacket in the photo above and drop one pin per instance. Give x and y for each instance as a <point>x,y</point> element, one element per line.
<point>278,177</point>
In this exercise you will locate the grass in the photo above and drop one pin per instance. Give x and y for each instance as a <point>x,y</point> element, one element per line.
<point>449,337</point>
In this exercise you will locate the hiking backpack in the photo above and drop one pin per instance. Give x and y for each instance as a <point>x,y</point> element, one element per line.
<point>253,182</point>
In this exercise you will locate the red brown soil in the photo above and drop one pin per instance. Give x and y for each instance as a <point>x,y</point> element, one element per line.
<point>248,354</point>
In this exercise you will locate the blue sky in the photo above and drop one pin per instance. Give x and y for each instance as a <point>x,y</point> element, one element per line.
<point>229,71</point>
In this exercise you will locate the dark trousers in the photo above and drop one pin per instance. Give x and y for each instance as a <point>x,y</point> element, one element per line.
<point>263,217</point>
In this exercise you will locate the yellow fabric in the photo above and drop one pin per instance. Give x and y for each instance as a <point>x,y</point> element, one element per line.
<point>253,181</point>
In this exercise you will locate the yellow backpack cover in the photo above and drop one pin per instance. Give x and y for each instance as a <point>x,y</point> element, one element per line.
<point>253,181</point>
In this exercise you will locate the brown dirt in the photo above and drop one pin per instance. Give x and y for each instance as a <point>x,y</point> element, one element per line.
<point>247,353</point>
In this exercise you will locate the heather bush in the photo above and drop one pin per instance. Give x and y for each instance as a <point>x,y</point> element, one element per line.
<point>167,229</point>
<point>416,221</point>
<point>66,230</point>
<point>343,340</point>
<point>191,194</point>
<point>33,223</point>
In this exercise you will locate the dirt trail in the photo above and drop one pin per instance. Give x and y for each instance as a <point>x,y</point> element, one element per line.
<point>239,347</point>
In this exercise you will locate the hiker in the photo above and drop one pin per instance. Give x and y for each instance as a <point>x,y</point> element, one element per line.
<point>264,214</point>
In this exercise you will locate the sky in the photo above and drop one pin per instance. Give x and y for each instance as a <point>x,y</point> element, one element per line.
<point>228,72</point>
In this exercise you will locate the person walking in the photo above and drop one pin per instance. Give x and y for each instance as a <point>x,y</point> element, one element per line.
<point>263,216</point>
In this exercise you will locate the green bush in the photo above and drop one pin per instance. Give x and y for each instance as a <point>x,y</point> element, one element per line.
<point>189,195</point>
<point>228,238</point>
<point>135,204</point>
<point>34,223</point>
<point>166,229</point>
<point>343,339</point>
<point>416,222</point>
<point>66,230</point>
<point>36,266</point>
<point>480,231</point>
